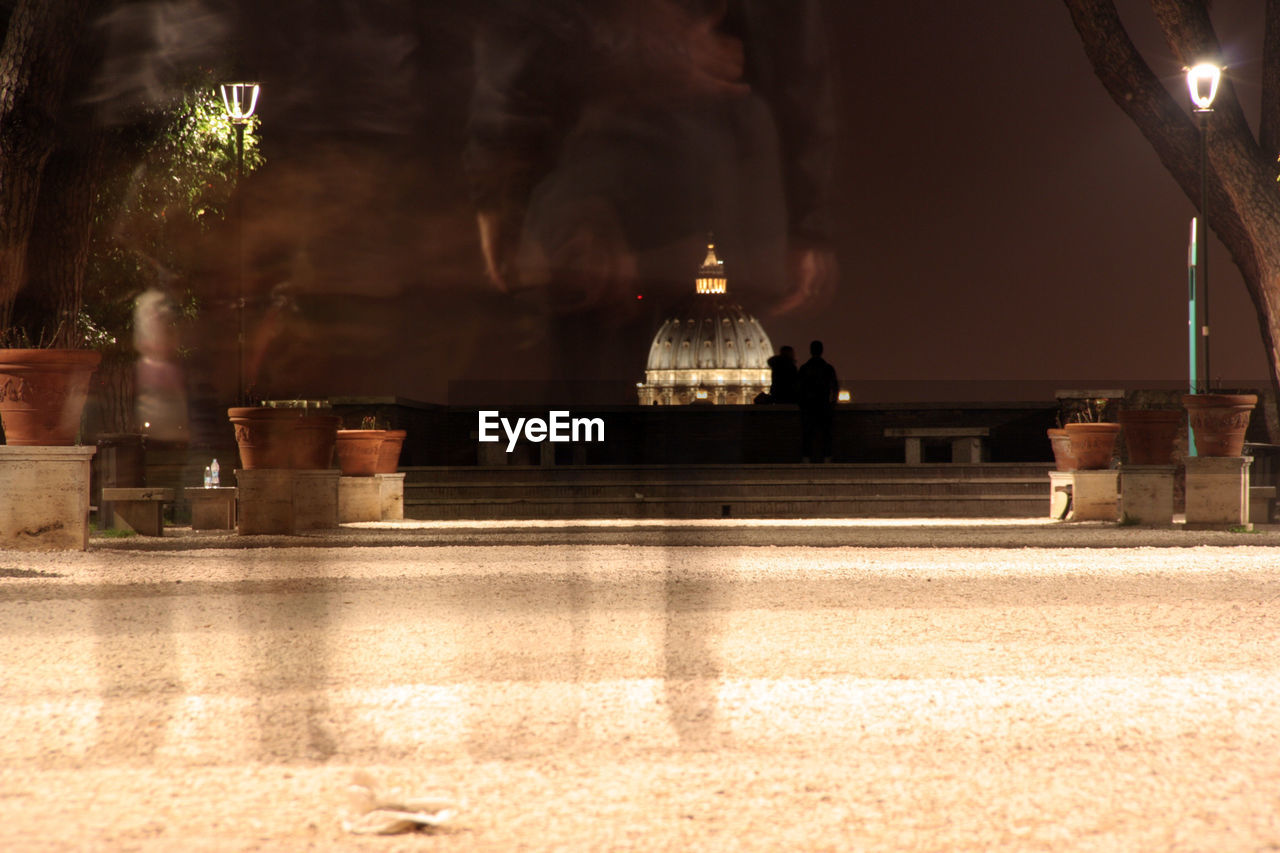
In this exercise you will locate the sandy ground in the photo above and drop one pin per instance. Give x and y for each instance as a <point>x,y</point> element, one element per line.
<point>910,686</point>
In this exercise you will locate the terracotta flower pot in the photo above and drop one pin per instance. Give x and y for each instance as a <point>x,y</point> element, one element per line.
<point>358,450</point>
<point>313,442</point>
<point>42,394</point>
<point>389,453</point>
<point>1061,443</point>
<point>1150,434</point>
<point>1219,421</point>
<point>1093,445</point>
<point>264,435</point>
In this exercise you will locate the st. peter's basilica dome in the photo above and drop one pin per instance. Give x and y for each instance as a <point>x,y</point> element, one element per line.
<point>710,350</point>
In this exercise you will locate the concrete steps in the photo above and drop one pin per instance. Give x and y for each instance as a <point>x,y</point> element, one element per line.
<point>728,491</point>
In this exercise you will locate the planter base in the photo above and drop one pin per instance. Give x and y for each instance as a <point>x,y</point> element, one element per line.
<point>359,499</point>
<point>1147,494</point>
<point>315,499</point>
<point>44,498</point>
<point>266,501</point>
<point>1095,495</point>
<point>391,496</point>
<point>1059,493</point>
<point>1218,492</point>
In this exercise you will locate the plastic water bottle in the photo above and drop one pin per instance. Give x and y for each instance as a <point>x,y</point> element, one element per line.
<point>208,476</point>
<point>213,474</point>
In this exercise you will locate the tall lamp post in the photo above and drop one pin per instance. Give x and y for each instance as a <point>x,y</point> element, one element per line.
<point>240,100</point>
<point>1202,83</point>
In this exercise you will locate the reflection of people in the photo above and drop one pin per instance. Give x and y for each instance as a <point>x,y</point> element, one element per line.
<point>607,137</point>
<point>818,388</point>
<point>161,404</point>
<point>783,382</point>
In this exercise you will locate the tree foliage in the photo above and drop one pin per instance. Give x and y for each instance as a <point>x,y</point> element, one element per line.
<point>166,188</point>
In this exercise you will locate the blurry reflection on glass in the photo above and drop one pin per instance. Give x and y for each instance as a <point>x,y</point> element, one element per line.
<point>162,396</point>
<point>609,138</point>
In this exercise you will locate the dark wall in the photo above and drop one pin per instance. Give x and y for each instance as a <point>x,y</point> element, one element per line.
<point>672,435</point>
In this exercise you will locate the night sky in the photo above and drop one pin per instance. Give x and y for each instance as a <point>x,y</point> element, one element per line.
<point>1002,230</point>
<point>1018,225</point>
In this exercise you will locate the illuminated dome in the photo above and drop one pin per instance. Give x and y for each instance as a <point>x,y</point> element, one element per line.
<point>711,349</point>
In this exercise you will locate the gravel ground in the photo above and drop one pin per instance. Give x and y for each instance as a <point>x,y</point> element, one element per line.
<point>905,686</point>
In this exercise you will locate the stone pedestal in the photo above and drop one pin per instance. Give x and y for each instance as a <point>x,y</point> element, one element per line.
<point>359,499</point>
<point>391,496</point>
<point>266,501</point>
<point>1217,492</point>
<point>1095,495</point>
<point>315,499</point>
<point>213,508</point>
<point>1059,493</point>
<point>1146,494</point>
<point>44,497</point>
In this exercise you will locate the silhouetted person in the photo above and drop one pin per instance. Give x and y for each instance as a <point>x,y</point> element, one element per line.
<point>818,388</point>
<point>783,383</point>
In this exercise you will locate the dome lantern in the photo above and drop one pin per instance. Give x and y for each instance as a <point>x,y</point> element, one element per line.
<point>711,275</point>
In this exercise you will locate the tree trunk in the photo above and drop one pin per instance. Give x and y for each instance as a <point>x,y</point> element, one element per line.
<point>35,59</point>
<point>1244,203</point>
<point>58,249</point>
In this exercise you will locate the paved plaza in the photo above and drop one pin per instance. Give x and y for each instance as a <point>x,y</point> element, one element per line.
<point>891,685</point>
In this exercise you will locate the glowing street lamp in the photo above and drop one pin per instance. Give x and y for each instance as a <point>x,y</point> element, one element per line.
<point>1202,84</point>
<point>1202,81</point>
<point>240,100</point>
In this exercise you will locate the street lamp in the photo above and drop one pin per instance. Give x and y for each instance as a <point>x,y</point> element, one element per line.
<point>1202,83</point>
<point>240,100</point>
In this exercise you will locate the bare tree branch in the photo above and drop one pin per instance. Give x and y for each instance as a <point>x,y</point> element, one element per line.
<point>1243,198</point>
<point>1166,125</point>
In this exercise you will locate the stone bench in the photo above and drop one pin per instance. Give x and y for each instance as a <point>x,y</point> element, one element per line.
<point>966,442</point>
<point>1262,504</point>
<point>138,509</point>
<point>212,508</point>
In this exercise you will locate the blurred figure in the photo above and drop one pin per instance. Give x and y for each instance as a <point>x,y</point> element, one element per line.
<point>161,388</point>
<point>784,376</point>
<point>609,137</point>
<point>818,389</point>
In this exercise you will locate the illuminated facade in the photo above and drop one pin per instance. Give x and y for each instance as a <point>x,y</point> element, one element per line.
<point>711,351</point>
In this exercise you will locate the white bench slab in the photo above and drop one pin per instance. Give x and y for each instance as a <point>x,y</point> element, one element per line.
<point>966,442</point>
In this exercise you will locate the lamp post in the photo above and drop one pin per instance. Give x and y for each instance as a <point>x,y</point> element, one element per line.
<point>240,100</point>
<point>1202,83</point>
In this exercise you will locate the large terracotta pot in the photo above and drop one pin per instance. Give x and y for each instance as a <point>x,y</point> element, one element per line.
<point>1061,443</point>
<point>265,435</point>
<point>1150,434</point>
<point>42,394</point>
<point>314,440</point>
<point>1219,421</point>
<point>1093,445</point>
<point>389,453</point>
<point>358,450</point>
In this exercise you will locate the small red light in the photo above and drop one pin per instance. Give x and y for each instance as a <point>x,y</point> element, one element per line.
<point>639,296</point>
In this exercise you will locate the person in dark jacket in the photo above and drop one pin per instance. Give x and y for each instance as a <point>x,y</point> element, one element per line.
<point>783,383</point>
<point>818,389</point>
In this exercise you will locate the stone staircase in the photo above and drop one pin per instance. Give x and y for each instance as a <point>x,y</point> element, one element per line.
<point>1003,490</point>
